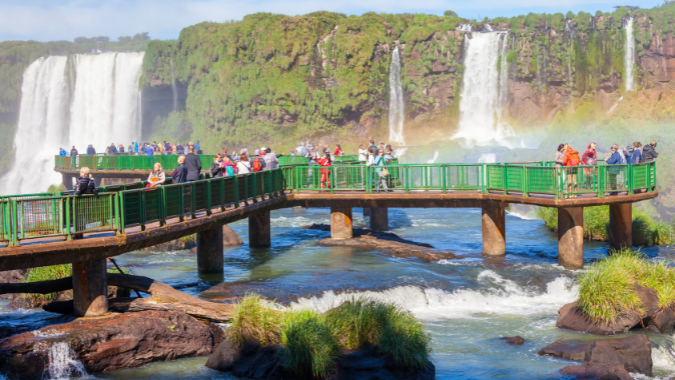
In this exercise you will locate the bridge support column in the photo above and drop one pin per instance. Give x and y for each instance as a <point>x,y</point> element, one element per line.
<point>210,251</point>
<point>67,180</point>
<point>366,211</point>
<point>259,235</point>
<point>379,219</point>
<point>90,288</point>
<point>341,223</point>
<point>571,237</point>
<point>494,231</point>
<point>621,225</point>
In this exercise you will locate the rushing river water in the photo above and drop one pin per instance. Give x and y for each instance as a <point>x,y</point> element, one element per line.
<point>466,304</point>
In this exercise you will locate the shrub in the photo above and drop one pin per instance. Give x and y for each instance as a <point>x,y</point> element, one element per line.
<point>404,338</point>
<point>605,289</point>
<point>253,319</point>
<point>52,272</point>
<point>309,347</point>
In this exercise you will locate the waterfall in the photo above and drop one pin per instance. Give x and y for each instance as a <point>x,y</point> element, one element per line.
<point>173,81</point>
<point>629,54</point>
<point>78,100</point>
<point>396,110</point>
<point>484,90</point>
<point>62,364</point>
<point>487,158</point>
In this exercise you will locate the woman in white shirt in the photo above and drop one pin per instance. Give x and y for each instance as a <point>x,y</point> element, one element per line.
<point>363,153</point>
<point>244,165</point>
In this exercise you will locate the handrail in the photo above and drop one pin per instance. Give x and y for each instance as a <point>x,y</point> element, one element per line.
<point>118,207</point>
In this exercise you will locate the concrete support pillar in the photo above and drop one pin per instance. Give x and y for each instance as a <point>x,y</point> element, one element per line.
<point>259,230</point>
<point>210,251</point>
<point>67,180</point>
<point>621,225</point>
<point>571,237</point>
<point>379,219</point>
<point>90,288</point>
<point>366,211</point>
<point>494,231</point>
<point>341,223</point>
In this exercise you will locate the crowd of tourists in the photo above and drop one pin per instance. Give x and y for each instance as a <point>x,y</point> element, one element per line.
<point>148,149</point>
<point>568,158</point>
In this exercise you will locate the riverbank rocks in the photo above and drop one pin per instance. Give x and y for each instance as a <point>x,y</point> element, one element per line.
<point>513,340</point>
<point>257,362</point>
<point>11,277</point>
<point>652,318</point>
<point>633,354</point>
<point>108,343</point>
<point>387,242</point>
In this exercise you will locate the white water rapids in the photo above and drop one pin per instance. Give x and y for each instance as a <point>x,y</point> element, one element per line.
<point>484,91</point>
<point>629,54</point>
<point>77,100</point>
<point>396,106</point>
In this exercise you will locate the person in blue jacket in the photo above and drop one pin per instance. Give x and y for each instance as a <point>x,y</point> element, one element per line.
<point>148,150</point>
<point>62,152</point>
<point>613,159</point>
<point>136,147</point>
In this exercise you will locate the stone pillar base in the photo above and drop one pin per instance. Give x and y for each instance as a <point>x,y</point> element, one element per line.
<point>621,225</point>
<point>90,288</point>
<point>210,251</point>
<point>571,237</point>
<point>494,231</point>
<point>341,223</point>
<point>379,219</point>
<point>259,234</point>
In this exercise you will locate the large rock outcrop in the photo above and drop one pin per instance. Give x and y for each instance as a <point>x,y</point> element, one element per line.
<point>633,354</point>
<point>109,343</point>
<point>253,361</point>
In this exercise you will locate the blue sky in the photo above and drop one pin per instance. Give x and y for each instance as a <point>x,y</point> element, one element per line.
<point>47,20</point>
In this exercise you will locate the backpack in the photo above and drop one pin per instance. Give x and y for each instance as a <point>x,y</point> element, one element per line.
<point>256,164</point>
<point>229,169</point>
<point>574,159</point>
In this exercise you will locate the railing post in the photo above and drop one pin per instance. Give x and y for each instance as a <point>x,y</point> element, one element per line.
<point>407,179</point>
<point>181,203</point>
<point>208,197</point>
<point>504,180</point>
<point>631,173</point>
<point>193,196</point>
<point>601,180</point>
<point>444,182</point>
<point>236,191</point>
<point>526,181</point>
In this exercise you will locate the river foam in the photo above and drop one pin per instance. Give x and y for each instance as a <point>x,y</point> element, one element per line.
<point>498,296</point>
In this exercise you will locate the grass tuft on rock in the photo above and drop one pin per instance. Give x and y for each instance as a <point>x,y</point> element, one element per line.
<point>254,319</point>
<point>309,347</point>
<point>310,341</point>
<point>52,272</point>
<point>606,288</point>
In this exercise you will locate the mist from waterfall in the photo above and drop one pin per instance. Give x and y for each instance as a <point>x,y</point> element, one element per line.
<point>484,91</point>
<point>629,54</point>
<point>396,106</point>
<point>77,100</point>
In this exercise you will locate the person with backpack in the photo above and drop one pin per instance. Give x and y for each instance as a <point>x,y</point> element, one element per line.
<point>381,172</point>
<point>229,168</point>
<point>339,151</point>
<point>571,160</point>
<point>649,152</point>
<point>257,163</point>
<point>85,183</point>
<point>193,163</point>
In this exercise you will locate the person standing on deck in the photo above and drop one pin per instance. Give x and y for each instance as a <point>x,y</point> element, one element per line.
<point>613,172</point>
<point>193,163</point>
<point>589,158</point>
<point>649,152</point>
<point>179,174</point>
<point>62,152</point>
<point>312,158</point>
<point>73,156</point>
<point>636,157</point>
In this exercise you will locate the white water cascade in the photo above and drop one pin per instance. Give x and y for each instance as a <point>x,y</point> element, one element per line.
<point>62,364</point>
<point>629,54</point>
<point>396,106</point>
<point>484,91</point>
<point>77,100</point>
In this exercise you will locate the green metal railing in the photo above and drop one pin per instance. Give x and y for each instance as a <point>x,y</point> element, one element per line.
<point>124,162</point>
<point>117,207</point>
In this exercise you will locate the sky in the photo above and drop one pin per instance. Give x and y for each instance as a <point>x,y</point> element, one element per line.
<point>50,20</point>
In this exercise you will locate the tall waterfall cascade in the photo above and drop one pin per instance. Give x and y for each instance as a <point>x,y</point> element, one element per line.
<point>75,100</point>
<point>484,91</point>
<point>396,105</point>
<point>629,54</point>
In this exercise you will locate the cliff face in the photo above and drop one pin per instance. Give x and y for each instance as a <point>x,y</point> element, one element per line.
<point>272,77</point>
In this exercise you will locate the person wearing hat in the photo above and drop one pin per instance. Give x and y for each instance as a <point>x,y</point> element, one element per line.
<point>271,161</point>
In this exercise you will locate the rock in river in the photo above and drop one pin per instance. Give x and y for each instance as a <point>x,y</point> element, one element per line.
<point>111,342</point>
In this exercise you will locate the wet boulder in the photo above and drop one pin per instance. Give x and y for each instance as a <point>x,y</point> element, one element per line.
<point>109,343</point>
<point>513,340</point>
<point>634,353</point>
<point>257,362</point>
<point>612,371</point>
<point>662,321</point>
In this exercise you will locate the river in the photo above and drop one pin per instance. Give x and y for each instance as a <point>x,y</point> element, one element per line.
<point>466,304</point>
